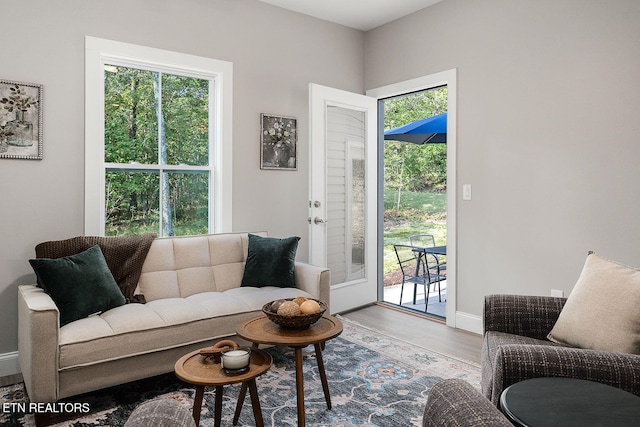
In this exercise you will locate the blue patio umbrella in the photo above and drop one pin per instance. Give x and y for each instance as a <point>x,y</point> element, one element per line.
<point>432,130</point>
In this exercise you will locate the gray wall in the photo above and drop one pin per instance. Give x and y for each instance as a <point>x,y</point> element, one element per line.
<point>275,54</point>
<point>547,127</point>
<point>548,132</point>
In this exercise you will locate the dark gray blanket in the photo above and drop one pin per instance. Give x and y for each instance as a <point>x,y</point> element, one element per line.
<point>124,255</point>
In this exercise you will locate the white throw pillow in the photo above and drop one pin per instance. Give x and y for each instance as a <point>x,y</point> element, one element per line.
<point>603,309</point>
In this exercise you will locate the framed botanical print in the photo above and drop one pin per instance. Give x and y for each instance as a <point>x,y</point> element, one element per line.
<point>278,142</point>
<point>20,120</point>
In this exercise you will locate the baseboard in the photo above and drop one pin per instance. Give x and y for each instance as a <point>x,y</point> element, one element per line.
<point>9,364</point>
<point>469,322</point>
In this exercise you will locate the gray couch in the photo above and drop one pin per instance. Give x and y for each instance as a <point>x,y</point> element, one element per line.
<point>516,348</point>
<point>193,299</point>
<point>455,403</point>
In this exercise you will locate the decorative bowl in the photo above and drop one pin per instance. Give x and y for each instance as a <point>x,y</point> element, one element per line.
<point>299,321</point>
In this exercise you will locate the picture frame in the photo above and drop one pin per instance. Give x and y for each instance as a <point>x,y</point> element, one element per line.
<point>20,120</point>
<point>278,142</point>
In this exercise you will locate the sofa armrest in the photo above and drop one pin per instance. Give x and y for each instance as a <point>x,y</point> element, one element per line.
<point>38,332</point>
<point>314,280</point>
<point>517,362</point>
<point>455,403</point>
<point>525,315</point>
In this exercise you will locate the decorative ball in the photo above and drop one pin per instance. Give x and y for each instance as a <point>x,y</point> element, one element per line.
<point>309,307</point>
<point>289,308</point>
<point>276,305</point>
<point>299,300</point>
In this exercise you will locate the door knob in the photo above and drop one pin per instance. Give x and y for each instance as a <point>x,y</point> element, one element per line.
<point>318,220</point>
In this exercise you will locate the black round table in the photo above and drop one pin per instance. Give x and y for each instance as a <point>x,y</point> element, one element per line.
<point>569,402</point>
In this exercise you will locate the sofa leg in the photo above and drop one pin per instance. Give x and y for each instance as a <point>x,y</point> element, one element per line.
<point>42,419</point>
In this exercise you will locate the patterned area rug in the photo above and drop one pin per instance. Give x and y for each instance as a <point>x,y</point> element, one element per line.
<point>375,381</point>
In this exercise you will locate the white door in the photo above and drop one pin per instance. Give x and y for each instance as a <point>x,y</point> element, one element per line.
<point>342,202</point>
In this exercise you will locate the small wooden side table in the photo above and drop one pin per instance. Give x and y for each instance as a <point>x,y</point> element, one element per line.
<point>261,330</point>
<point>200,371</point>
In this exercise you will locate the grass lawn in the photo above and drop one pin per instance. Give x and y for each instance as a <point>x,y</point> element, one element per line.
<point>419,213</point>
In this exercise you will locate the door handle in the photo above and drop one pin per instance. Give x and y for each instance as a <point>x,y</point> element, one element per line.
<point>318,220</point>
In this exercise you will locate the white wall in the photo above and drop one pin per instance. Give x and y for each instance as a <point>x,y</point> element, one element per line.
<point>547,132</point>
<point>275,54</point>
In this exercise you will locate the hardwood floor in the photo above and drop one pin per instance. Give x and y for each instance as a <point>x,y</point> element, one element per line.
<point>419,330</point>
<point>402,324</point>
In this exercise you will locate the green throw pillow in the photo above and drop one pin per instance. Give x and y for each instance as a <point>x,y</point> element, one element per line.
<point>80,284</point>
<point>270,262</point>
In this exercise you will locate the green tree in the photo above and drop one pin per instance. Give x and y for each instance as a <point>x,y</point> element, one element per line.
<point>413,167</point>
<point>165,190</point>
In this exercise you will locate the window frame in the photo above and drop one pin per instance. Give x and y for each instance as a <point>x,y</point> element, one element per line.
<point>98,53</point>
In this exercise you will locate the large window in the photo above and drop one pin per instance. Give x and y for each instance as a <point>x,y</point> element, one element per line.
<point>158,152</point>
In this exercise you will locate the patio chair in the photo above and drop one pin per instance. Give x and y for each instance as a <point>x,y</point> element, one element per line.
<point>415,269</point>
<point>428,241</point>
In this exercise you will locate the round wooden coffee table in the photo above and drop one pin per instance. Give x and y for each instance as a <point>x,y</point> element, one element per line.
<point>555,401</point>
<point>261,330</point>
<point>200,371</point>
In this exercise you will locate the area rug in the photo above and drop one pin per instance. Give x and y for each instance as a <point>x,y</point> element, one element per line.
<point>375,380</point>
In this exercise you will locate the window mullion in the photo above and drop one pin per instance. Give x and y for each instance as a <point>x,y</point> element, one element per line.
<point>141,167</point>
<point>160,198</point>
<point>162,151</point>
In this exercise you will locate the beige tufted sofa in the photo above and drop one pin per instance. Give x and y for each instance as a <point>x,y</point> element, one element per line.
<point>194,298</point>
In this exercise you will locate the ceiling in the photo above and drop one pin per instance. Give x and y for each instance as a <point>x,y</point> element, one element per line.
<point>360,14</point>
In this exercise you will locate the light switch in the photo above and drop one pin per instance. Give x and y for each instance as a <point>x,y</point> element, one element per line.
<point>466,192</point>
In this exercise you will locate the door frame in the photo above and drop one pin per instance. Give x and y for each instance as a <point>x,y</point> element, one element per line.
<point>448,78</point>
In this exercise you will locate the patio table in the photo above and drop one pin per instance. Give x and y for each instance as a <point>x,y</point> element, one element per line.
<point>437,250</point>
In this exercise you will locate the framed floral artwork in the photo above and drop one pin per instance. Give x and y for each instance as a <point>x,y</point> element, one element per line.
<point>20,120</point>
<point>278,142</point>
